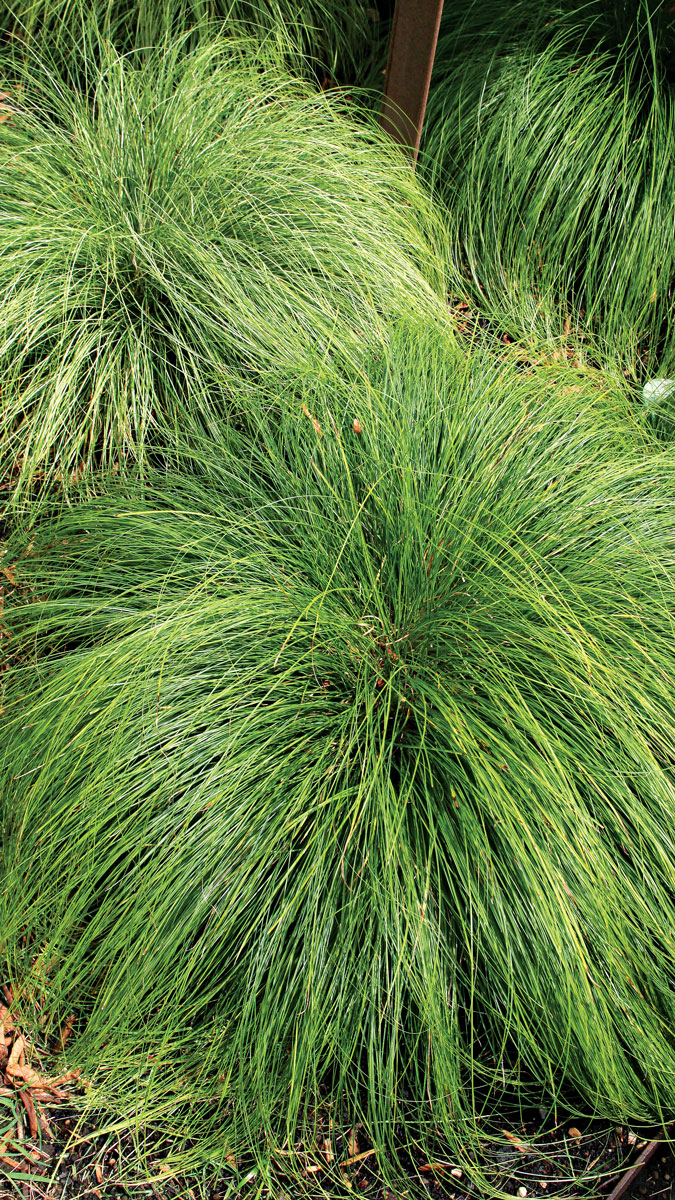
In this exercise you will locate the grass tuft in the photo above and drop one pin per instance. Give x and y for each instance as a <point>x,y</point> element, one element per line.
<point>343,788</point>
<point>204,218</point>
<point>550,136</point>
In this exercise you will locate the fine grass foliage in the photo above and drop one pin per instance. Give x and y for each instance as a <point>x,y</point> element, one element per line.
<point>204,217</point>
<point>341,786</point>
<point>550,136</point>
<point>337,37</point>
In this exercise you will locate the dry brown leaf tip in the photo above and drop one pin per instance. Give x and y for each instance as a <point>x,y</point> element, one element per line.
<point>315,423</point>
<point>16,1057</point>
<point>516,1141</point>
<point>66,1030</point>
<point>29,1106</point>
<point>352,1144</point>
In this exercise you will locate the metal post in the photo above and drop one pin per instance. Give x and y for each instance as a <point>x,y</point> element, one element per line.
<point>411,58</point>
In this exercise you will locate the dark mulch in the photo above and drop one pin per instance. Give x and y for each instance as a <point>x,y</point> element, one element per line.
<point>69,1159</point>
<point>657,1179</point>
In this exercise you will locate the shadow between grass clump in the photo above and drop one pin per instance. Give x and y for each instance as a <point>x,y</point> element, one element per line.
<point>344,779</point>
<point>202,218</point>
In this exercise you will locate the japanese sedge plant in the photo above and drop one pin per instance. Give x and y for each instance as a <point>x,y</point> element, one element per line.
<point>338,38</point>
<point>553,148</point>
<point>343,787</point>
<point>205,217</point>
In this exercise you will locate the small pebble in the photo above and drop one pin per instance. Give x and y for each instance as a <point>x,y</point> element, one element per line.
<point>456,1171</point>
<point>522,1191</point>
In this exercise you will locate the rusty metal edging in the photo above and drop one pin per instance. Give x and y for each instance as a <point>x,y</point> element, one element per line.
<point>628,1179</point>
<point>412,47</point>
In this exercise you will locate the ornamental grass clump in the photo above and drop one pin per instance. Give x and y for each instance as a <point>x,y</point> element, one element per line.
<point>342,791</point>
<point>204,218</point>
<point>552,143</point>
